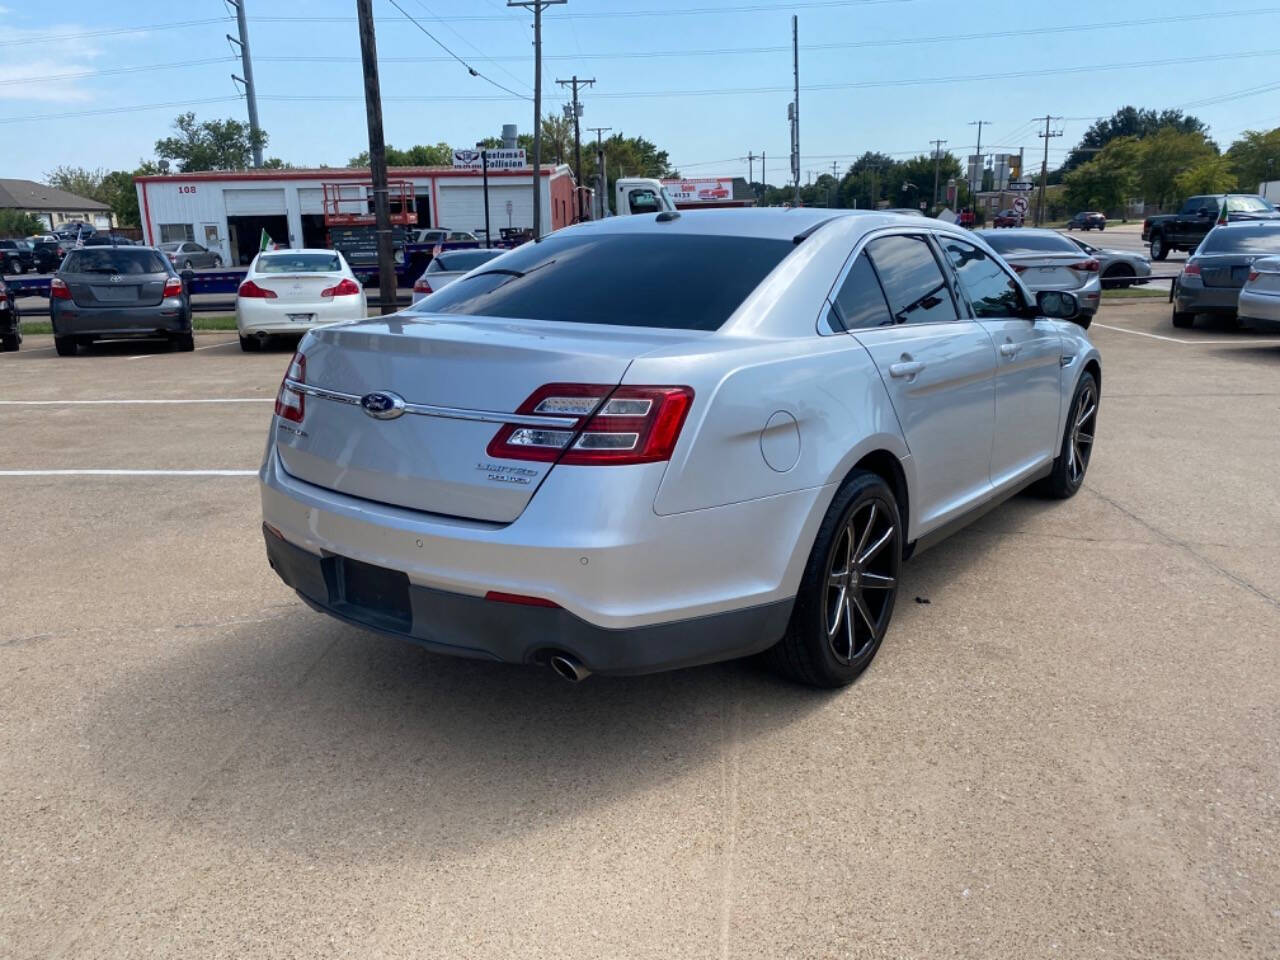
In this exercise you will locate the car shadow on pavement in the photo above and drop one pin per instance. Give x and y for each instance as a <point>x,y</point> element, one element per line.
<point>301,735</point>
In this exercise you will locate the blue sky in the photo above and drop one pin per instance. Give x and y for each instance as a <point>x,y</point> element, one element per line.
<point>870,101</point>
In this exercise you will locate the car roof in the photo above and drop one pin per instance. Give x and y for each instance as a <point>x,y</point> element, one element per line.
<point>1249,226</point>
<point>299,250</point>
<point>776,223</point>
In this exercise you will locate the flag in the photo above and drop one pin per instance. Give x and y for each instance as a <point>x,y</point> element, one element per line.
<point>264,241</point>
<point>1223,219</point>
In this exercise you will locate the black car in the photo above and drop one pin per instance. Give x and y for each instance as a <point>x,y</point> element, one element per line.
<point>111,292</point>
<point>74,229</point>
<point>1088,220</point>
<point>107,240</point>
<point>10,322</point>
<point>16,256</point>
<point>1210,282</point>
<point>1186,228</point>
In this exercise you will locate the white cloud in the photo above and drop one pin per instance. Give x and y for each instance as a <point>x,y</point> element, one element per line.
<point>24,67</point>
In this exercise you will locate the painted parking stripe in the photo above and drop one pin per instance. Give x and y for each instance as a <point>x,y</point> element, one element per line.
<point>83,403</point>
<point>1156,336</point>
<point>128,473</point>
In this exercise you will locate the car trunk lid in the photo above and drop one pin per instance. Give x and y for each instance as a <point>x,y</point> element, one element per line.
<point>469,371</point>
<point>107,289</point>
<point>1050,271</point>
<point>1225,272</point>
<point>298,287</point>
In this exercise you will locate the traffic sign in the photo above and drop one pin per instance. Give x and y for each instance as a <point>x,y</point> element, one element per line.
<point>1020,204</point>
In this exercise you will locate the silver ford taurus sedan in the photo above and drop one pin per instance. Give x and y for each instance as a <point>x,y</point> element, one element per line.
<point>650,442</point>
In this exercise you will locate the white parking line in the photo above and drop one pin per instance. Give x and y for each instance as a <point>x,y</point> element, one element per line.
<point>1156,336</point>
<point>63,403</point>
<point>128,473</point>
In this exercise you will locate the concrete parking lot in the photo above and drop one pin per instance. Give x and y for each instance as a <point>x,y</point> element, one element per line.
<point>1069,745</point>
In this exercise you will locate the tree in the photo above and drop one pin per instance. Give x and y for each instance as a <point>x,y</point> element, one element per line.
<point>19,223</point>
<point>1130,122</point>
<point>1164,156</point>
<point>210,145</point>
<point>627,157</point>
<point>419,155</point>
<point>1108,180</point>
<point>1255,157</point>
<point>1213,174</point>
<point>868,180</point>
<point>114,188</point>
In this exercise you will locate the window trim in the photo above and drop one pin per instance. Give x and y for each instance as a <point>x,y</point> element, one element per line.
<point>948,278</point>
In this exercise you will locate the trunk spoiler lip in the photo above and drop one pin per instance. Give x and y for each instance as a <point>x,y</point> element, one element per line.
<point>435,410</point>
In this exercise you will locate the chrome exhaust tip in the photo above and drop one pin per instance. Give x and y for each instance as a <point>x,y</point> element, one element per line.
<point>569,667</point>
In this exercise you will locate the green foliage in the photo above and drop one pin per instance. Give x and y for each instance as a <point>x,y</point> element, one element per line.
<point>626,157</point>
<point>210,145</point>
<point>1108,180</point>
<point>419,155</point>
<point>1166,155</point>
<point>114,188</point>
<point>1255,157</point>
<point>1130,122</point>
<point>1213,174</point>
<point>19,223</point>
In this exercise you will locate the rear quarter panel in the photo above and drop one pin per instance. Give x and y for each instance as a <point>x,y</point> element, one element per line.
<point>814,406</point>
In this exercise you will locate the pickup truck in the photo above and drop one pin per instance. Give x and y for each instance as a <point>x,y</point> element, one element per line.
<point>1185,229</point>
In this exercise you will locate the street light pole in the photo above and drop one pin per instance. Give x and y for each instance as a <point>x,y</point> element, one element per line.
<point>484,173</point>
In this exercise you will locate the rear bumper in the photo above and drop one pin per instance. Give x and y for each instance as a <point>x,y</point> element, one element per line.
<point>268,318</point>
<point>1202,299</point>
<point>171,316</point>
<point>466,626</point>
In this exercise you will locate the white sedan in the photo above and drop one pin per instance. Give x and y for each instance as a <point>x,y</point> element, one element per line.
<point>288,292</point>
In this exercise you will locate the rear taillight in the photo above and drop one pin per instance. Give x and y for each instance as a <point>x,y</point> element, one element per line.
<point>291,404</point>
<point>346,287</point>
<point>173,287</point>
<point>1191,270</point>
<point>1085,266</point>
<point>1018,268</point>
<point>610,426</point>
<point>422,286</point>
<point>252,290</point>
<point>59,290</point>
<point>1146,225</point>
<point>520,599</point>
<point>1253,275</point>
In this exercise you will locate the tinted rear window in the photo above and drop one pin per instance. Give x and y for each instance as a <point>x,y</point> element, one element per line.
<point>1241,239</point>
<point>632,280</point>
<point>114,260</point>
<point>298,263</point>
<point>1018,242</point>
<point>465,259</point>
<point>1248,205</point>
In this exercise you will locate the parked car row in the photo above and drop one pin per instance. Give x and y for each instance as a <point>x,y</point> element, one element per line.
<point>1185,229</point>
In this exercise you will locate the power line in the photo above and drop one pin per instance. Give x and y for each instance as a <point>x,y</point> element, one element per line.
<point>447,26</point>
<point>115,31</point>
<point>439,43</point>
<point>136,108</point>
<point>117,71</point>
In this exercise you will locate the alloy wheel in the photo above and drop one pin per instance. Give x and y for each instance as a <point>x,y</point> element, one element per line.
<point>861,581</point>
<point>1081,445</point>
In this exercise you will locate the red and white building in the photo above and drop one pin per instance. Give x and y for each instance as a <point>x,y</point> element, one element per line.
<point>228,210</point>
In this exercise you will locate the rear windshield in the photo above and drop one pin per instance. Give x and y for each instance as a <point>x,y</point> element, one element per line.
<point>464,259</point>
<point>1248,205</point>
<point>298,263</point>
<point>1241,239</point>
<point>114,260</point>
<point>168,247</point>
<point>1018,242</point>
<point>680,281</point>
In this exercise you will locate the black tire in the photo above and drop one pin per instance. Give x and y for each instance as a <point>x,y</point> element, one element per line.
<point>250,344</point>
<point>11,341</point>
<point>1102,227</point>
<point>1159,248</point>
<point>1182,320</point>
<point>184,342</point>
<point>1077,442</point>
<point>1118,276</point>
<point>65,346</point>
<point>857,597</point>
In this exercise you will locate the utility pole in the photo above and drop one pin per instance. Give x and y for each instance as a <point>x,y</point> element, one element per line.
<point>835,169</point>
<point>537,6</point>
<point>982,162</point>
<point>795,113</point>
<point>937,158</point>
<point>1044,167</point>
<point>484,167</point>
<point>602,181</point>
<point>577,138</point>
<point>246,66</point>
<point>377,158</point>
<point>751,167</point>
<point>763,182</point>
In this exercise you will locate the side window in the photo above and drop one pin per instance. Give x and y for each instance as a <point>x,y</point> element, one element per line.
<point>860,303</point>
<point>643,201</point>
<point>991,291</point>
<point>913,281</point>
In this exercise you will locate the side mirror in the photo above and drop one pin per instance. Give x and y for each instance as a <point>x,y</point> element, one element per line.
<point>1057,304</point>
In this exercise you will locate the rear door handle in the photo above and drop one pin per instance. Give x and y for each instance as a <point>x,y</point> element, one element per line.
<point>1009,350</point>
<point>906,368</point>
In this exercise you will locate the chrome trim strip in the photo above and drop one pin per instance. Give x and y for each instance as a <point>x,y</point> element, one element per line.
<point>447,413</point>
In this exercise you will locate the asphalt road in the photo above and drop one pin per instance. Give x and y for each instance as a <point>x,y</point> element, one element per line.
<point>1072,749</point>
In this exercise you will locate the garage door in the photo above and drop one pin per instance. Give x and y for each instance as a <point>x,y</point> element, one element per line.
<point>249,203</point>
<point>311,200</point>
<point>462,208</point>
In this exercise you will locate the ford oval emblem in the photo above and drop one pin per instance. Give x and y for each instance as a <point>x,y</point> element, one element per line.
<point>382,405</point>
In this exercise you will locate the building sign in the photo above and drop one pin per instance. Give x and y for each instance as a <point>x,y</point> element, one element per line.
<point>700,189</point>
<point>500,158</point>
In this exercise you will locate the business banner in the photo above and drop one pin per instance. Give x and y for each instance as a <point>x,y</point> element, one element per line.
<point>500,158</point>
<point>700,189</point>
